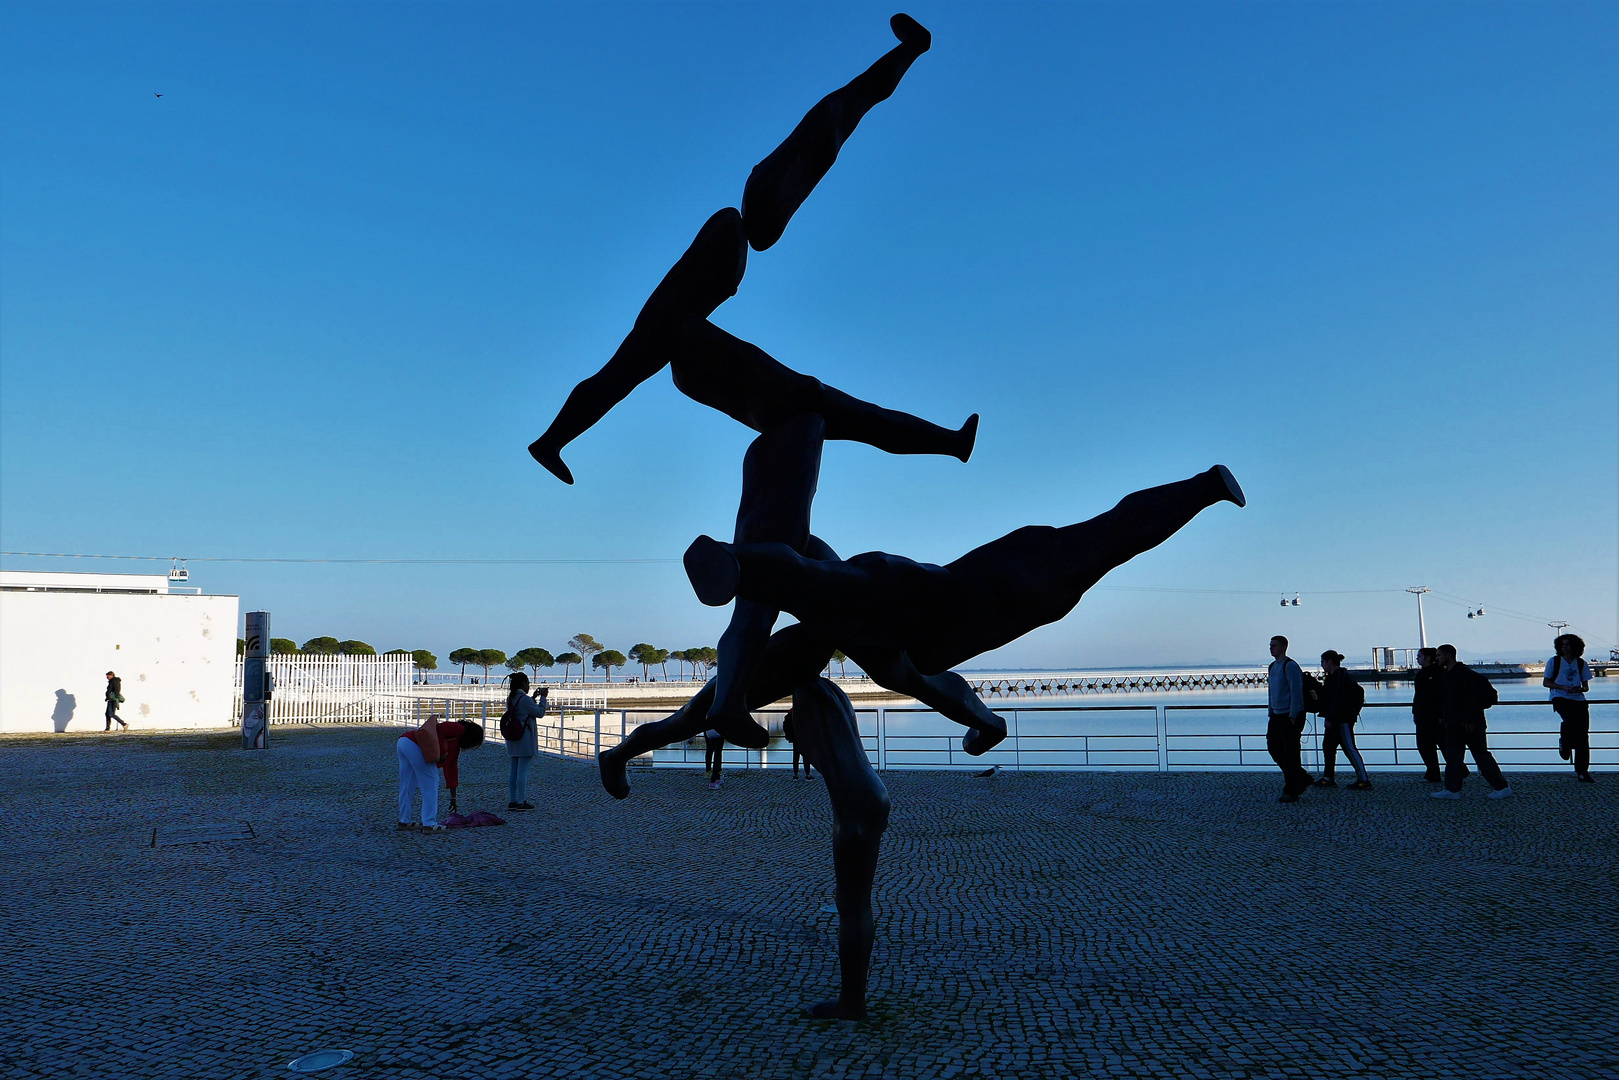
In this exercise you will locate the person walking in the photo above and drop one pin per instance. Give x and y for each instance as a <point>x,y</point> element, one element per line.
<point>1467,695</point>
<point>115,698</point>
<point>1568,677</point>
<point>713,757</point>
<point>1340,705</point>
<point>520,727</point>
<point>1286,680</point>
<point>1428,712</point>
<point>423,754</point>
<point>792,740</point>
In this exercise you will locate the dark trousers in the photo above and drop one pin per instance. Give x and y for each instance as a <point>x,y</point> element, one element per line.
<point>114,718</point>
<point>1576,732</point>
<point>1461,739</point>
<point>1430,737</point>
<point>1341,735</point>
<point>1282,740</point>
<point>714,758</point>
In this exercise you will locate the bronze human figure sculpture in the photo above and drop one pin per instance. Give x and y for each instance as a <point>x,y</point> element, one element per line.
<point>722,371</point>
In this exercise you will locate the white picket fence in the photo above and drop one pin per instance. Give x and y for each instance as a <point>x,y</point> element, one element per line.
<point>336,690</point>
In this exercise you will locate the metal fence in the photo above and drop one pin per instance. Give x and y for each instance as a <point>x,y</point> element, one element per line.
<point>1143,738</point>
<point>335,690</point>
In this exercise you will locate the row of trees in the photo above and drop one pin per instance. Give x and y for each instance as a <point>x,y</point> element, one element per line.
<point>583,649</point>
<point>330,646</point>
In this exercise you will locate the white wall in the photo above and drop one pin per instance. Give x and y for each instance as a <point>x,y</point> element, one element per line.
<point>175,652</point>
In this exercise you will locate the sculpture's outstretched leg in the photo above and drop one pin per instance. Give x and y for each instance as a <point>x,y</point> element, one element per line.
<point>792,656</point>
<point>946,693</point>
<point>781,182</point>
<point>827,734</point>
<point>701,280</point>
<point>752,387</point>
<point>943,616</point>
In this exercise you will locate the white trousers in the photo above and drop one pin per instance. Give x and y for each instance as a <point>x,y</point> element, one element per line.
<point>416,773</point>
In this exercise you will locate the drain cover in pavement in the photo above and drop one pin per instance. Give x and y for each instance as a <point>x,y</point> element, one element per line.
<point>320,1059</point>
<point>200,834</point>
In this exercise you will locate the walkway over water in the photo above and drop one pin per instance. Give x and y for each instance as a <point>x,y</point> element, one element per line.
<point>1028,926</point>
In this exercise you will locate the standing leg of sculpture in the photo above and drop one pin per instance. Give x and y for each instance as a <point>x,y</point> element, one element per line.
<point>780,183</point>
<point>779,475</point>
<point>701,280</point>
<point>825,728</point>
<point>943,616</point>
<point>752,387</point>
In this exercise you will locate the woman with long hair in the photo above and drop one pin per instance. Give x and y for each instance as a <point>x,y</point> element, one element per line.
<point>520,727</point>
<point>435,743</point>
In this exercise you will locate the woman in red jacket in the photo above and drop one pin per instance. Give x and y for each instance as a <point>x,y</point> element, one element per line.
<point>432,744</point>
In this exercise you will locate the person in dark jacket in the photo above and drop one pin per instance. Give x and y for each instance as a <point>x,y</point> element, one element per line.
<point>1467,695</point>
<point>1428,712</point>
<point>115,698</point>
<point>1340,702</point>
<point>713,757</point>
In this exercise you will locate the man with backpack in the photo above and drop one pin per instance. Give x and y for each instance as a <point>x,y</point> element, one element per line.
<point>1467,695</point>
<point>1287,708</point>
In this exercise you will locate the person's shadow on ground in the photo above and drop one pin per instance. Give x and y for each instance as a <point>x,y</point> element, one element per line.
<point>63,713</point>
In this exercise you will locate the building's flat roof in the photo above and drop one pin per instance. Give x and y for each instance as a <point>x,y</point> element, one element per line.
<point>53,581</point>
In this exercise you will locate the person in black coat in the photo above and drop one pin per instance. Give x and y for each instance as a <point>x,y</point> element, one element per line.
<point>115,698</point>
<point>1341,700</point>
<point>1428,711</point>
<point>1467,695</point>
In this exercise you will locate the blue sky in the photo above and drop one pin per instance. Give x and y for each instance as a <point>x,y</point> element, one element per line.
<point>315,300</point>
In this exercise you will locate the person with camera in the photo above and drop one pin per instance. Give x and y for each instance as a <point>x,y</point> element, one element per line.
<point>520,727</point>
<point>1568,677</point>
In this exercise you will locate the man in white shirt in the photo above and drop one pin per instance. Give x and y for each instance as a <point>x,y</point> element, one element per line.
<point>1286,720</point>
<point>1568,677</point>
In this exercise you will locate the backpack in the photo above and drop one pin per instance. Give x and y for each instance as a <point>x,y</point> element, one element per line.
<point>511,728</point>
<point>1487,695</point>
<point>1357,697</point>
<point>1312,692</point>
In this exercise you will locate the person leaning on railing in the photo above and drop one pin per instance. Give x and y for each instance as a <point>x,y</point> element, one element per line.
<point>1568,677</point>
<point>435,743</point>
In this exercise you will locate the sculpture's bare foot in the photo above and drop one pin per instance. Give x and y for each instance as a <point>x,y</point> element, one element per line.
<point>614,776</point>
<point>740,729</point>
<point>911,32</point>
<point>714,572</point>
<point>978,741</point>
<point>969,437</point>
<point>1233,489</point>
<point>835,1010</point>
<point>549,456</point>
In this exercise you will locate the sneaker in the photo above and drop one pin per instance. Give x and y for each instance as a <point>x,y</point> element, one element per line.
<point>1504,793</point>
<point>511,806</point>
<point>1325,781</point>
<point>1433,778</point>
<point>1585,778</point>
<point>713,785</point>
<point>519,807</point>
<point>1360,785</point>
<point>1445,793</point>
<point>404,825</point>
<point>1288,798</point>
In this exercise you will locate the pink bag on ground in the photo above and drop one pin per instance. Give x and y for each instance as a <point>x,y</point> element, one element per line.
<point>473,820</point>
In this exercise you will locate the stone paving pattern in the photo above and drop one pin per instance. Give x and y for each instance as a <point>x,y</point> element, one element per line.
<point>1075,924</point>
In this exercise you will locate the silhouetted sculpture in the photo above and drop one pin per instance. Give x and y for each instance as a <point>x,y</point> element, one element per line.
<point>713,367</point>
<point>941,616</point>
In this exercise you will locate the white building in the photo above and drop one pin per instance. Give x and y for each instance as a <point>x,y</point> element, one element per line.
<point>61,633</point>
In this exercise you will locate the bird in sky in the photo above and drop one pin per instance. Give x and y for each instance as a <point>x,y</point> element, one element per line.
<point>155,94</point>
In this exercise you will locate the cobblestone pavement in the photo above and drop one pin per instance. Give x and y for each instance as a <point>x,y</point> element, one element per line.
<point>1037,925</point>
